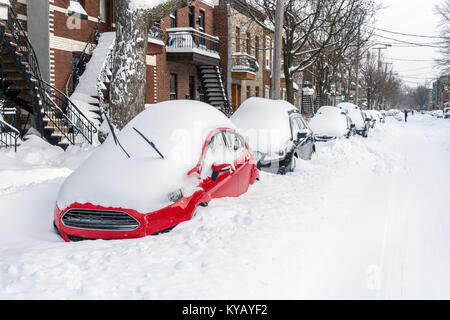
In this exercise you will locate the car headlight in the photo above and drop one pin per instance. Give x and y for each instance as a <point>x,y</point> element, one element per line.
<point>175,195</point>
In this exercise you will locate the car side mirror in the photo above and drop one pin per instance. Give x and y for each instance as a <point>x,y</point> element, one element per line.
<point>301,135</point>
<point>218,168</point>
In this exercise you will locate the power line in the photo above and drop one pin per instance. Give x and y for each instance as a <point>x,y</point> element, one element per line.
<point>411,60</point>
<point>410,34</point>
<point>432,45</point>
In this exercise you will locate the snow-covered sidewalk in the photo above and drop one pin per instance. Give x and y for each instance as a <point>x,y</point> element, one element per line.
<point>366,218</point>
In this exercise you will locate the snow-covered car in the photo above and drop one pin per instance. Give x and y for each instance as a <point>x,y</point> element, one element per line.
<point>359,120</point>
<point>170,160</point>
<point>276,132</point>
<point>376,116</point>
<point>447,113</point>
<point>438,113</point>
<point>331,123</point>
<point>370,118</point>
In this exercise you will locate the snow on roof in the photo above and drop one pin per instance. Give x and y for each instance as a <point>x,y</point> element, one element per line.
<point>142,182</point>
<point>264,122</point>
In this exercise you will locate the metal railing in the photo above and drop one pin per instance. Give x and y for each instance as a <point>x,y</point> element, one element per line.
<point>155,32</point>
<point>242,61</point>
<point>187,39</point>
<point>9,136</point>
<point>48,101</point>
<point>80,67</point>
<point>63,114</point>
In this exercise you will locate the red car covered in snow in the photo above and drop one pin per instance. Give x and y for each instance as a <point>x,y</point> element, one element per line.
<point>155,173</point>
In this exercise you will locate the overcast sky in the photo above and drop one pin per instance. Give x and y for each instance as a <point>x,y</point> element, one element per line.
<point>412,17</point>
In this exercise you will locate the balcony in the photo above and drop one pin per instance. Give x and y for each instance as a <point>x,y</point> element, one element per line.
<point>155,43</point>
<point>187,45</point>
<point>244,66</point>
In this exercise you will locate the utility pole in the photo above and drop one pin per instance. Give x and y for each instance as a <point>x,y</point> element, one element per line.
<point>276,59</point>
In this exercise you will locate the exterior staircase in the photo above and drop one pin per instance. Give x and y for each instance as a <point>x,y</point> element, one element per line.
<point>213,88</point>
<point>55,116</point>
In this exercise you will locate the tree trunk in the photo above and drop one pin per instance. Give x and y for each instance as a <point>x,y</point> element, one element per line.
<point>128,84</point>
<point>127,95</point>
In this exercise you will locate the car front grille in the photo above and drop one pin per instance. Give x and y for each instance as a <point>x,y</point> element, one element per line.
<point>99,220</point>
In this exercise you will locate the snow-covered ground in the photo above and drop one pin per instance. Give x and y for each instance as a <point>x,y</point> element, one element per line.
<point>365,219</point>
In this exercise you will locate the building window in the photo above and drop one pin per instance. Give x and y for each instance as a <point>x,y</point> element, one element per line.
<point>248,43</point>
<point>201,21</point>
<point>248,92</point>
<point>256,91</point>
<point>102,10</point>
<point>191,17</point>
<point>173,19</point>
<point>238,39</point>
<point>267,92</point>
<point>257,48</point>
<point>76,9</point>
<point>173,86</point>
<point>268,52</point>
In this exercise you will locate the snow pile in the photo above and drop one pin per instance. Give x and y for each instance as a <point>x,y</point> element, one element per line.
<point>37,161</point>
<point>264,123</point>
<point>86,91</point>
<point>330,122</point>
<point>142,182</point>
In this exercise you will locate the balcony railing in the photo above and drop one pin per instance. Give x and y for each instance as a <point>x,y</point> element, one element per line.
<point>187,40</point>
<point>243,62</point>
<point>156,32</point>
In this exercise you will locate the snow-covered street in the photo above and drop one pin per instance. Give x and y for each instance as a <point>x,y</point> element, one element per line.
<point>365,219</point>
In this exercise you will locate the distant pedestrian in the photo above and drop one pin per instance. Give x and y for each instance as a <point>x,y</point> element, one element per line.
<point>406,115</point>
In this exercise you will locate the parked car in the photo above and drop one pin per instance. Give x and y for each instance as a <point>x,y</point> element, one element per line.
<point>170,160</point>
<point>376,116</point>
<point>446,112</point>
<point>362,123</point>
<point>370,118</point>
<point>331,123</point>
<point>276,132</point>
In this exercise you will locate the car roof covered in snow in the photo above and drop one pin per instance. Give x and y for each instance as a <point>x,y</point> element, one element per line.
<point>264,122</point>
<point>354,113</point>
<point>329,121</point>
<point>142,182</point>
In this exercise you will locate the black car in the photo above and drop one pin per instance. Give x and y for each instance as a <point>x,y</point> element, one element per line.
<point>276,132</point>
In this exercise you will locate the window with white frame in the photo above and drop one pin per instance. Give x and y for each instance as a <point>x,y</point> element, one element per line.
<point>268,52</point>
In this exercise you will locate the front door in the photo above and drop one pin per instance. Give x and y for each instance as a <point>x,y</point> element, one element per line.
<point>235,95</point>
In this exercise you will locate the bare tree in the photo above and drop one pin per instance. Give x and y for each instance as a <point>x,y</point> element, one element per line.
<point>443,10</point>
<point>420,96</point>
<point>133,20</point>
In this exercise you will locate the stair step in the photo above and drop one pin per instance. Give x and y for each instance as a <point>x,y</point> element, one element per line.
<point>18,86</point>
